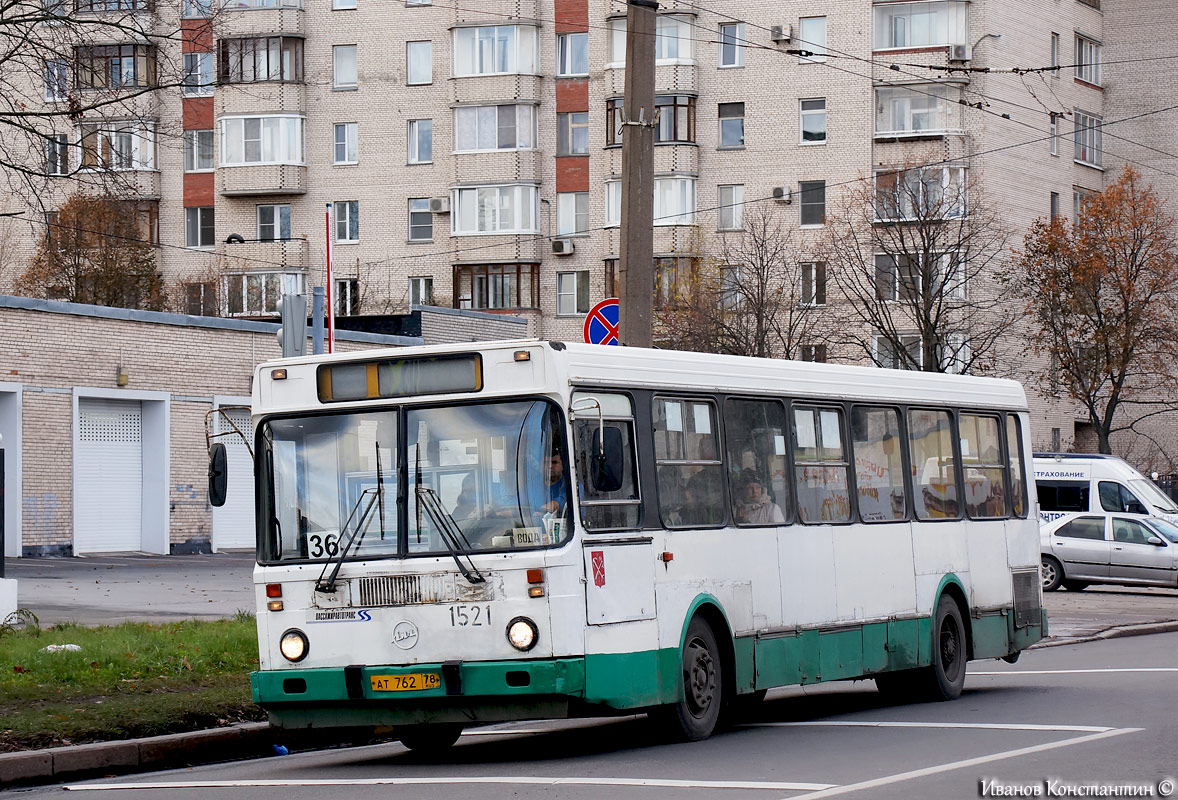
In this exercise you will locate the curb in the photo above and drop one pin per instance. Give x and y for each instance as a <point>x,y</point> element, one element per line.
<point>1114,632</point>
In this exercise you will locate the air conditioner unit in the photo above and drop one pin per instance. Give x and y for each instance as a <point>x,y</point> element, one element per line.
<point>563,247</point>
<point>439,205</point>
<point>783,195</point>
<point>960,52</point>
<point>781,33</point>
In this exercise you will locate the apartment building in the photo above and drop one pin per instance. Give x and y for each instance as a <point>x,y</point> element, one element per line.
<point>469,154</point>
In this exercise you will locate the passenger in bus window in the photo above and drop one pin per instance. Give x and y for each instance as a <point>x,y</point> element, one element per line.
<point>467,503</point>
<point>756,507</point>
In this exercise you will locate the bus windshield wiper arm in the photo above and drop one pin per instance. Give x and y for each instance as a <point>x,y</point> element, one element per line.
<point>451,533</point>
<point>328,585</point>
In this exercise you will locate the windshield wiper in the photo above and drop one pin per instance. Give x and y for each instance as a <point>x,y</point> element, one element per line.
<point>451,533</point>
<point>328,586</point>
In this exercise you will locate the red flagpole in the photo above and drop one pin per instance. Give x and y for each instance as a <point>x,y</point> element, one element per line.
<point>330,288</point>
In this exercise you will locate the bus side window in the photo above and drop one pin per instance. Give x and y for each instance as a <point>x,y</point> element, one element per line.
<point>934,475</point>
<point>755,441</point>
<point>820,465</point>
<point>985,475</point>
<point>1014,450</point>
<point>605,510</point>
<point>879,468</point>
<point>687,463</point>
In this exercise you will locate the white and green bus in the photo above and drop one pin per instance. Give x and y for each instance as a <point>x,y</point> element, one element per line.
<point>462,534</point>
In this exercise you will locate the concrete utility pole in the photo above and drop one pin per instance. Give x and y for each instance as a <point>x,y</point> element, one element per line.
<point>636,268</point>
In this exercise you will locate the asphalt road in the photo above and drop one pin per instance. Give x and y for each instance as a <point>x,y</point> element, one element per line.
<point>1096,714</point>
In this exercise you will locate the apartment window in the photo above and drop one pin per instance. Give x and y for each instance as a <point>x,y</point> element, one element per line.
<point>731,125</point>
<point>347,137</point>
<point>261,140</point>
<point>265,58</point>
<point>198,226</point>
<point>1055,54</point>
<point>925,24</point>
<point>731,202</point>
<point>572,133</point>
<point>115,66</point>
<point>907,355</point>
<point>613,121</point>
<point>57,79</point>
<point>421,141</point>
<point>495,50</point>
<point>238,5</point>
<point>954,353</point>
<point>1087,60</point>
<point>730,294</point>
<point>343,64</point>
<point>731,45</point>
<point>259,292</point>
<point>196,9</point>
<point>572,293</point>
<point>274,222</point>
<point>421,220</point>
<point>129,147</point>
<point>813,276</point>
<point>613,204</point>
<point>96,6</point>
<point>1089,138</point>
<point>198,74</point>
<point>496,286</point>
<point>421,291</point>
<point>347,297</point>
<point>812,36</point>
<point>616,42</point>
<point>200,299</point>
<point>494,209</point>
<point>488,128</point>
<point>813,202</point>
<point>198,151</point>
<point>902,277</point>
<point>572,54</point>
<point>672,277</point>
<point>419,63</point>
<point>572,213</point>
<point>676,118</point>
<point>918,110</point>
<point>674,201</point>
<point>1079,197</point>
<point>57,158</point>
<point>814,353</point>
<point>673,39</point>
<point>342,5</point>
<point>933,192</point>
<point>1053,128</point>
<point>419,2</point>
<point>347,221</point>
<point>1054,205</point>
<point>813,121</point>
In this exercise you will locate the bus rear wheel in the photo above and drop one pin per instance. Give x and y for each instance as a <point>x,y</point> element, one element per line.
<point>695,716</point>
<point>945,677</point>
<point>430,738</point>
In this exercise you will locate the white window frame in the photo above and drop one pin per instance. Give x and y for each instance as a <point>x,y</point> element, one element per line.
<point>413,144</point>
<point>347,296</point>
<point>954,29</point>
<point>808,40</point>
<point>729,119</point>
<point>57,154</point>
<point>519,56</point>
<point>566,129</point>
<point>280,216</point>
<point>193,149</point>
<point>57,80</point>
<point>572,213</point>
<point>525,127</point>
<point>421,287</point>
<point>1055,49</point>
<point>346,214</point>
<point>417,73</point>
<point>804,112</point>
<point>422,207</point>
<point>349,141</point>
<point>343,77</point>
<point>466,217</point>
<point>615,44</point>
<point>730,199</point>
<point>674,200</point>
<point>1088,59</point>
<point>199,75</point>
<point>571,287</point>
<point>803,205</point>
<point>566,55</point>
<point>951,174</point>
<point>674,39</point>
<point>808,277</point>
<point>289,138</point>
<point>1053,129</point>
<point>1088,137</point>
<point>613,203</point>
<point>918,110</point>
<point>732,39</point>
<point>959,343</point>
<point>959,285</point>
<point>911,342</point>
<point>286,283</point>
<point>343,5</point>
<point>138,137</point>
<point>205,221</point>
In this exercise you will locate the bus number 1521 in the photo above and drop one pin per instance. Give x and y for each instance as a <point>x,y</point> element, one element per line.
<point>469,616</point>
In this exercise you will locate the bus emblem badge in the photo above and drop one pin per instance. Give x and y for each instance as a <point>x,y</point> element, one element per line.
<point>405,634</point>
<point>598,557</point>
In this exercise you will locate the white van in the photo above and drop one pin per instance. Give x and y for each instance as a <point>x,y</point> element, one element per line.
<point>1069,483</point>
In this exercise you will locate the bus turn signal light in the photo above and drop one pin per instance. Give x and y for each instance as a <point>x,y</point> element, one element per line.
<point>274,590</point>
<point>274,605</point>
<point>535,591</point>
<point>535,576</point>
<point>666,557</point>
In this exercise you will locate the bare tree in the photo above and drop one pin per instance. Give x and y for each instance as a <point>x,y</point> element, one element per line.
<point>914,252</point>
<point>1101,294</point>
<point>97,252</point>
<point>756,295</point>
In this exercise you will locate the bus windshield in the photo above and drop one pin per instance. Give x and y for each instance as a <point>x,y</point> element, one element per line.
<point>477,477</point>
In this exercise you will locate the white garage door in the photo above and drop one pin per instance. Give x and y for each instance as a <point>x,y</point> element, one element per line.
<point>233,523</point>
<point>109,464</point>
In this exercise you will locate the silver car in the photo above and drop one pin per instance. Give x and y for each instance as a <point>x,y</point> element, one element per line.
<point>1082,549</point>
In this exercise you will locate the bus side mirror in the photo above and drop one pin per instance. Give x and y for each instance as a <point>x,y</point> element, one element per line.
<point>608,461</point>
<point>218,474</point>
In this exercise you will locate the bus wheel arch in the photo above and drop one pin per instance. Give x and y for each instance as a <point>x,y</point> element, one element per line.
<point>953,590</point>
<point>944,678</point>
<point>706,674</point>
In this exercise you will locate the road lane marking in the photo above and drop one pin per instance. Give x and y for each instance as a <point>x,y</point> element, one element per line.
<point>1075,671</point>
<point>991,726</point>
<point>971,762</point>
<point>776,786</point>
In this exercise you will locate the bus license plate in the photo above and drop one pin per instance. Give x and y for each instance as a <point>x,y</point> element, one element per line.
<point>413,682</point>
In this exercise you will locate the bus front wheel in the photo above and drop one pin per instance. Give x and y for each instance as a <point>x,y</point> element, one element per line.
<point>695,716</point>
<point>428,738</point>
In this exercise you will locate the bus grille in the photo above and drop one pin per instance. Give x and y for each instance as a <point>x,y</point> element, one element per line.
<point>1027,610</point>
<point>406,590</point>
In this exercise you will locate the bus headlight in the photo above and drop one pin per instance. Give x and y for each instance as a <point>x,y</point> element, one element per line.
<point>294,645</point>
<point>522,633</point>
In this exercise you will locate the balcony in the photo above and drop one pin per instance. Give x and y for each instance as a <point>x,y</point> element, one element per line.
<point>241,18</point>
<point>251,254</point>
<point>276,97</point>
<point>262,179</point>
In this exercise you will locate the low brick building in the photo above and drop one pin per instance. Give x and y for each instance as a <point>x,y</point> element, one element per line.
<point>103,421</point>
